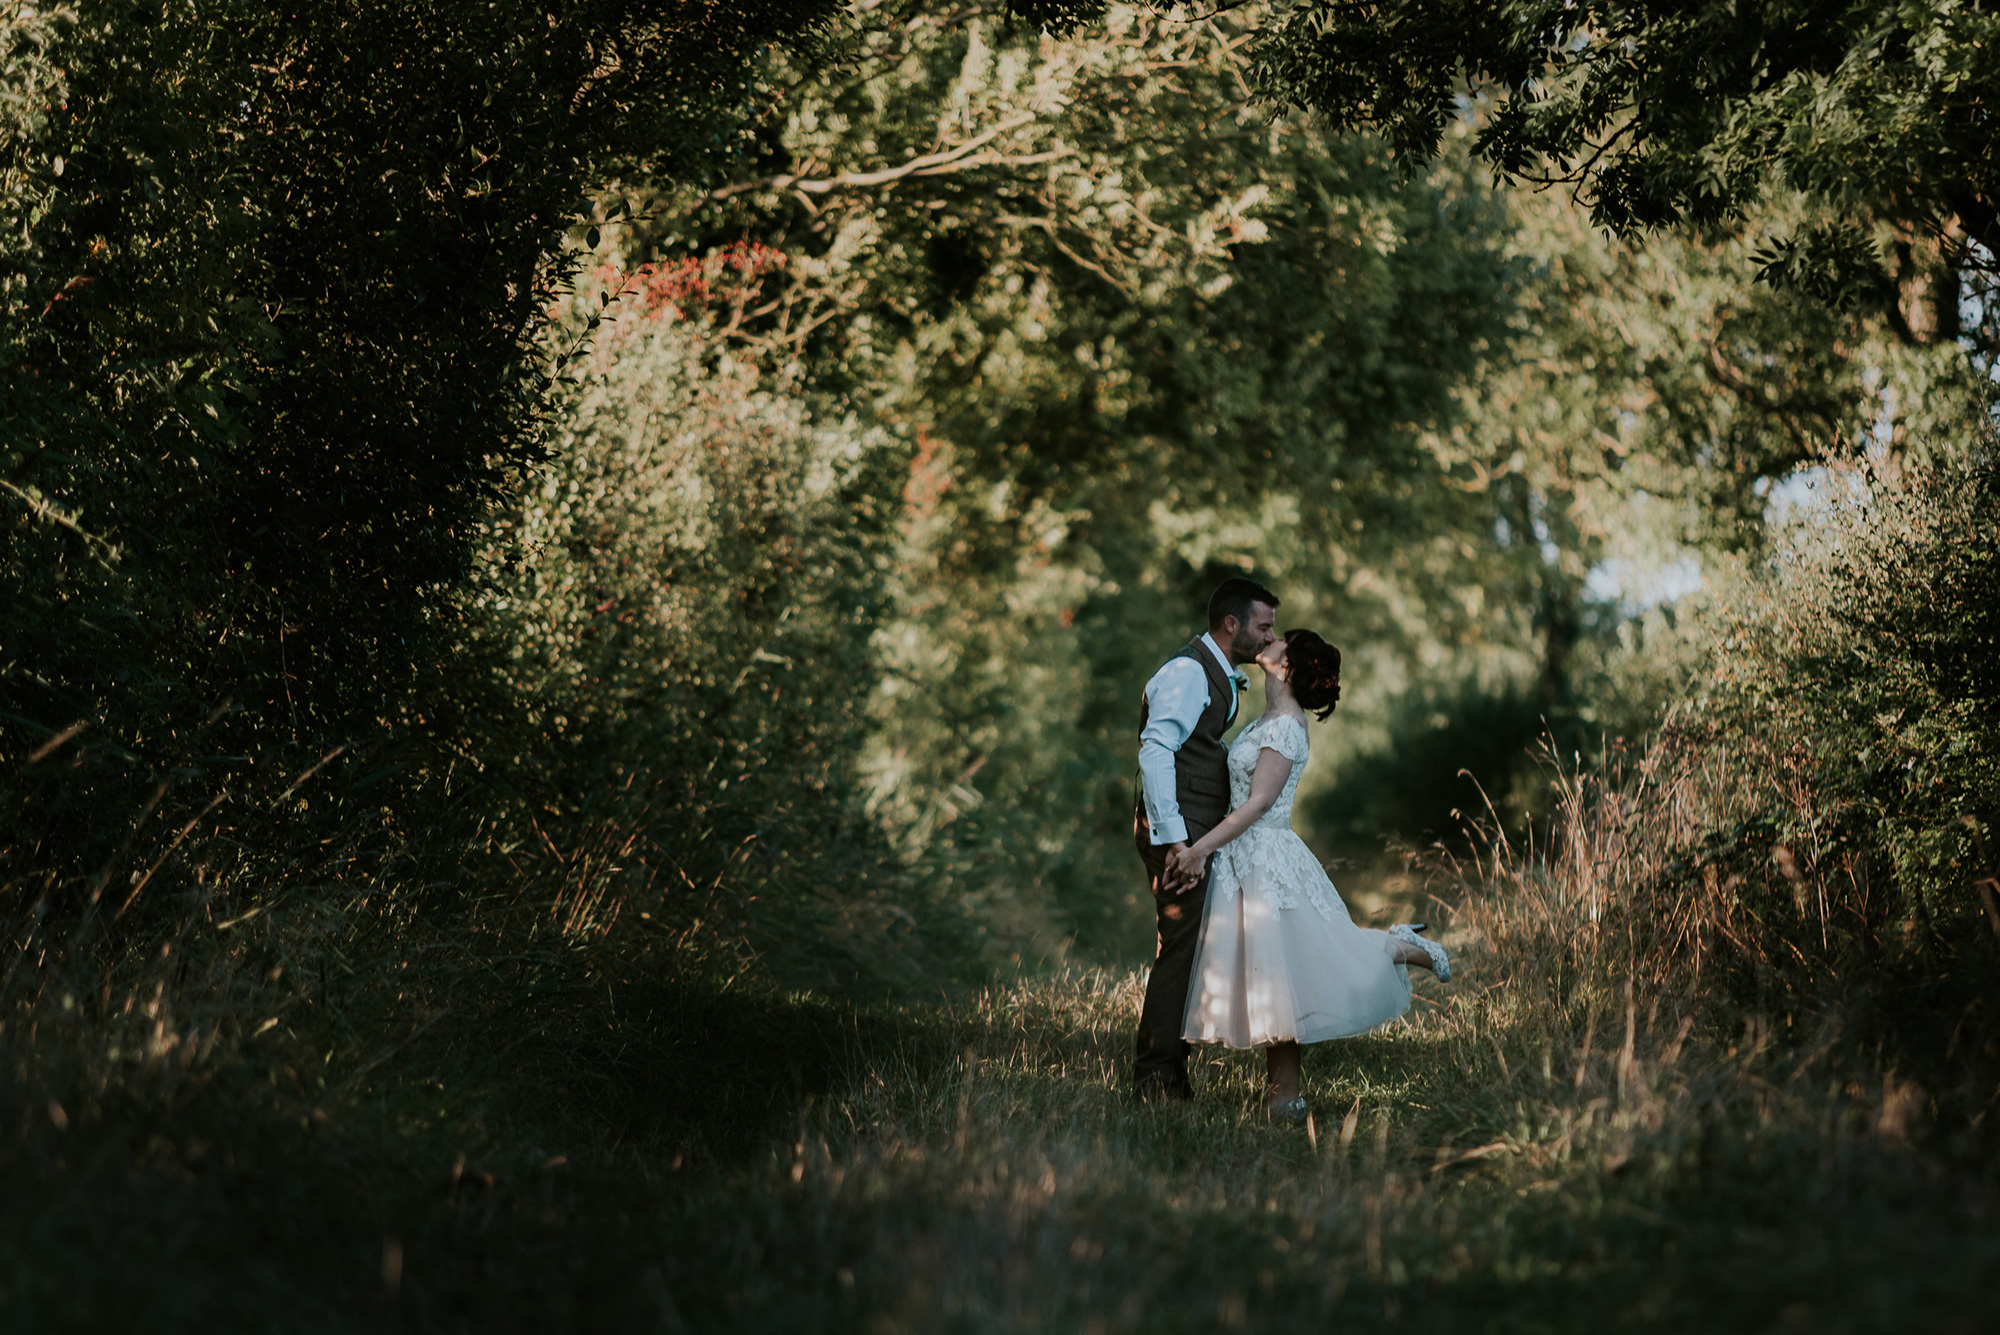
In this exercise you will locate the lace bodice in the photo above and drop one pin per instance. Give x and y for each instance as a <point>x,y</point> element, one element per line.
<point>1267,861</point>
<point>1278,732</point>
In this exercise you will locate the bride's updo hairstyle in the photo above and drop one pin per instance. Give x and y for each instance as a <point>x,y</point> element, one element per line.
<point>1312,667</point>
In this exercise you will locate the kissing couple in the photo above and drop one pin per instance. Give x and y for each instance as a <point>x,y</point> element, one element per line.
<point>1256,949</point>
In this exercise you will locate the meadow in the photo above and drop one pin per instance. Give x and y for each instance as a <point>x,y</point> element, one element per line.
<point>574,588</point>
<point>554,1138</point>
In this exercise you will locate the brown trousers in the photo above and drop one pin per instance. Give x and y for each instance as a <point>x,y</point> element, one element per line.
<point>1160,1062</point>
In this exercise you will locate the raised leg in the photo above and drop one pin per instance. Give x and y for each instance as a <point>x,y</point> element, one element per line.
<point>1405,953</point>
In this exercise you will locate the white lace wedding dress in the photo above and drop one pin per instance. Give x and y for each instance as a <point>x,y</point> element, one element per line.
<point>1279,958</point>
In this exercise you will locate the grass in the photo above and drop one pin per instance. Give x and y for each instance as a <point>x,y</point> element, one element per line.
<point>506,1118</point>
<point>693,1158</point>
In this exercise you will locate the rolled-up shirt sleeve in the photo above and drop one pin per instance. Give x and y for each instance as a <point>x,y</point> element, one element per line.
<point>1175,698</point>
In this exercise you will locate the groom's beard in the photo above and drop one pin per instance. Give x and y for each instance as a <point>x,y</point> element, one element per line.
<point>1244,648</point>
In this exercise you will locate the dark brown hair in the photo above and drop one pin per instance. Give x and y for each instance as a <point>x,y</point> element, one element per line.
<point>1232,598</point>
<point>1313,669</point>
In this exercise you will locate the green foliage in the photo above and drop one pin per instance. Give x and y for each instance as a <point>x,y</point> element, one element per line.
<point>701,557</point>
<point>677,619</point>
<point>1878,670</point>
<point>1810,834</point>
<point>1127,351</point>
<point>1059,17</point>
<point>1668,114</point>
<point>1632,429</point>
<point>272,279</point>
<point>450,710</point>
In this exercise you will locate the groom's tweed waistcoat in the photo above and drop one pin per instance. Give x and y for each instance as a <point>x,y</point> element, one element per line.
<point>1201,766</point>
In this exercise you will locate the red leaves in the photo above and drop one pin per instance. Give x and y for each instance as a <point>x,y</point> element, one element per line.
<point>729,275</point>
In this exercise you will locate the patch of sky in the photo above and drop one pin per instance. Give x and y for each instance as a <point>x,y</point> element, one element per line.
<point>1638,586</point>
<point>1538,505</point>
<point>1979,309</point>
<point>1809,494</point>
<point>1643,564</point>
<point>1793,495</point>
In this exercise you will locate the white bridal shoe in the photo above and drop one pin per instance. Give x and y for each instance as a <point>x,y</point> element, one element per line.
<point>1440,963</point>
<point>1293,1111</point>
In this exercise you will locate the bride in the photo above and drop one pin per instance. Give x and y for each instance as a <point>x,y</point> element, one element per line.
<point>1280,962</point>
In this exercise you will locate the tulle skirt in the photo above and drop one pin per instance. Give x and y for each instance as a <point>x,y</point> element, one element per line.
<point>1279,958</point>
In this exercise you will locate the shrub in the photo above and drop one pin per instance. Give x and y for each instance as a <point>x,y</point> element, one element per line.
<point>1814,836</point>
<point>267,358</point>
<point>680,615</point>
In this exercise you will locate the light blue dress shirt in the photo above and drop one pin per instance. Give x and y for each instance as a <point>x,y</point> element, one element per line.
<point>1175,699</point>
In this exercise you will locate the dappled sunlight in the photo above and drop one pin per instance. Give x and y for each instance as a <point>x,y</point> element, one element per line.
<point>575,596</point>
<point>1469,1147</point>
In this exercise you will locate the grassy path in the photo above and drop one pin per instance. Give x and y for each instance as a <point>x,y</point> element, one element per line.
<point>975,1165</point>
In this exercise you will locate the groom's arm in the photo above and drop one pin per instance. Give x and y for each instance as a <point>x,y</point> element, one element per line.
<point>1175,698</point>
<point>1266,783</point>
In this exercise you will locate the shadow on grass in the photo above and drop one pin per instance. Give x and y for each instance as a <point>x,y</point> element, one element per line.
<point>491,1171</point>
<point>651,1157</point>
<point>697,1072</point>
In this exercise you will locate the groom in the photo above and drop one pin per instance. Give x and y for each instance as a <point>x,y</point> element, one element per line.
<point>1184,793</point>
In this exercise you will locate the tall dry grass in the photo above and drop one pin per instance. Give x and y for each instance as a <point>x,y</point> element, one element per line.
<point>1637,879</point>
<point>543,1131</point>
<point>1588,1127</point>
<point>1682,1081</point>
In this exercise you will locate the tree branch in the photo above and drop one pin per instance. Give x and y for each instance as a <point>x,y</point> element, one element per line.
<point>958,158</point>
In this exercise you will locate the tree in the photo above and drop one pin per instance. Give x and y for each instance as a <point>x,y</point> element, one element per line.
<point>273,280</point>
<point>1133,334</point>
<point>1879,112</point>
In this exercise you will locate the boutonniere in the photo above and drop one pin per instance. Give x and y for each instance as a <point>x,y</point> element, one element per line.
<point>1242,682</point>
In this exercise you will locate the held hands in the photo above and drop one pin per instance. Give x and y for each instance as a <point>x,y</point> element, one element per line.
<point>1183,870</point>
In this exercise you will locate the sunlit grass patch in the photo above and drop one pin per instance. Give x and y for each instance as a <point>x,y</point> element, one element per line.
<point>499,1128</point>
<point>730,1160</point>
<point>992,1172</point>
